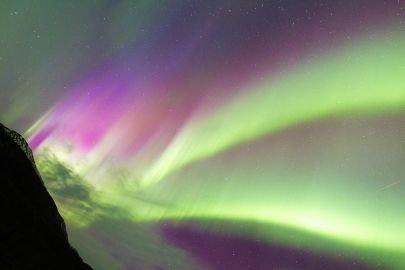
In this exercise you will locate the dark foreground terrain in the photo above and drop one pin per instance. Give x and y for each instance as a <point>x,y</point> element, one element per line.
<point>32,232</point>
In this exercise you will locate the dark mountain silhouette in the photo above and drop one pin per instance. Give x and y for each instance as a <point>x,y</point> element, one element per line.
<point>32,232</point>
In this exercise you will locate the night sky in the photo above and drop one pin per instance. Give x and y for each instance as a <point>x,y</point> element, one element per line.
<point>215,134</point>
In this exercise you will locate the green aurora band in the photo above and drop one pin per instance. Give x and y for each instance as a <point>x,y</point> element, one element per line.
<point>276,122</point>
<point>358,81</point>
<point>362,77</point>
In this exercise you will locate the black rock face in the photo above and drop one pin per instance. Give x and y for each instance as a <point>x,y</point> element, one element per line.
<point>32,232</point>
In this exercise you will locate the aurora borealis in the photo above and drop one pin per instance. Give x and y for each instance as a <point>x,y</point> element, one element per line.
<point>215,134</point>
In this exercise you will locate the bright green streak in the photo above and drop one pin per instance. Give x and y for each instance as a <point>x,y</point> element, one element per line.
<point>366,77</point>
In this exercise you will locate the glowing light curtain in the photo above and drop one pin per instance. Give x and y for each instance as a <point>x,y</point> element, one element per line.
<point>224,135</point>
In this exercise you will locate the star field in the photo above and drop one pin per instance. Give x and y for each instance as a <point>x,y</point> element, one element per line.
<point>215,134</point>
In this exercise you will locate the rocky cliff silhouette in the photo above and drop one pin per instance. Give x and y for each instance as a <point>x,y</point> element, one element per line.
<point>32,232</point>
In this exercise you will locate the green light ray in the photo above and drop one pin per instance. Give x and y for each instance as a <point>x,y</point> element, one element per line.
<point>363,77</point>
